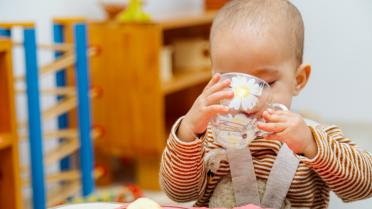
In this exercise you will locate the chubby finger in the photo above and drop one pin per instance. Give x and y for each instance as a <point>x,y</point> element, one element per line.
<point>213,110</point>
<point>218,96</point>
<point>282,112</point>
<point>215,78</point>
<point>272,127</point>
<point>218,87</point>
<point>266,115</point>
<point>274,117</point>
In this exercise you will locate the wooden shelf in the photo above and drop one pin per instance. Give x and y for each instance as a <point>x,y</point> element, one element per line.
<point>129,60</point>
<point>5,141</point>
<point>184,19</point>
<point>185,80</point>
<point>170,21</point>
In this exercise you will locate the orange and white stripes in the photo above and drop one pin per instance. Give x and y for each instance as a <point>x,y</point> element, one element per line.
<point>339,166</point>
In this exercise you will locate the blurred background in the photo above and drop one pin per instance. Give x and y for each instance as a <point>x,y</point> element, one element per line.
<point>338,45</point>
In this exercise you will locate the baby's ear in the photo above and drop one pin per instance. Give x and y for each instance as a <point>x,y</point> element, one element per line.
<point>302,77</point>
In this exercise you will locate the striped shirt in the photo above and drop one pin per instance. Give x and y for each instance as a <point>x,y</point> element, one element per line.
<point>339,166</point>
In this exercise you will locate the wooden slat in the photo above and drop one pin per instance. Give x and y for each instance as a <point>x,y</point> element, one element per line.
<point>16,24</point>
<point>64,176</point>
<point>65,61</point>
<point>66,91</point>
<point>66,148</point>
<point>57,177</point>
<point>57,110</point>
<point>67,48</point>
<point>60,195</point>
<point>55,47</point>
<point>66,134</point>
<point>184,80</point>
<point>69,189</point>
<point>60,108</point>
<point>72,187</point>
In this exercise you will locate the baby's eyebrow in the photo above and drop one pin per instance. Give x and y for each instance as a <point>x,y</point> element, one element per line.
<point>266,71</point>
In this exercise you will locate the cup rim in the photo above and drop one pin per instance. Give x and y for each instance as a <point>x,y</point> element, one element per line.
<point>246,75</point>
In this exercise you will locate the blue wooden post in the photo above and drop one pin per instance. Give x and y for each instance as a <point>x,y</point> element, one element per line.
<point>34,120</point>
<point>5,32</point>
<point>84,117</point>
<point>58,36</point>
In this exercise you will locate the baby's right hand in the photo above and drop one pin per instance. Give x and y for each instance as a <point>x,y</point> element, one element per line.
<point>206,106</point>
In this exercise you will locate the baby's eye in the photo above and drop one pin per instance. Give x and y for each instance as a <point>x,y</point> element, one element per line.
<point>271,83</point>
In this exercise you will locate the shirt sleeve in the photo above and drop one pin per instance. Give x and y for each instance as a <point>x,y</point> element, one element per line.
<point>182,170</point>
<point>345,168</point>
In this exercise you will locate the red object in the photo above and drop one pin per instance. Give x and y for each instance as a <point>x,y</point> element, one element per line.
<point>136,191</point>
<point>98,49</point>
<point>98,91</point>
<point>102,169</point>
<point>101,130</point>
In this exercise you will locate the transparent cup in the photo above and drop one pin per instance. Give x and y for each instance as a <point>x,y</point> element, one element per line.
<point>252,96</point>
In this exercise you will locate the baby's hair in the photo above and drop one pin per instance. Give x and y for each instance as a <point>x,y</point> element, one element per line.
<point>261,15</point>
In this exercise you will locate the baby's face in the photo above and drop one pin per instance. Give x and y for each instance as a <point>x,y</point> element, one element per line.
<point>264,57</point>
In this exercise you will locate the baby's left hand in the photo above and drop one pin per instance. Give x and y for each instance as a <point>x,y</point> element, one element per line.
<point>290,128</point>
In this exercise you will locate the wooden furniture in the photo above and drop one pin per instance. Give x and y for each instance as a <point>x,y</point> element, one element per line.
<point>10,193</point>
<point>138,108</point>
<point>76,96</point>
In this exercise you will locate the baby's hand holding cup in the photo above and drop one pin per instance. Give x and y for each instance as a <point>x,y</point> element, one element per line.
<point>238,127</point>
<point>205,107</point>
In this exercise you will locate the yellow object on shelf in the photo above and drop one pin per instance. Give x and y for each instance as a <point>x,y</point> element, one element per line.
<point>134,13</point>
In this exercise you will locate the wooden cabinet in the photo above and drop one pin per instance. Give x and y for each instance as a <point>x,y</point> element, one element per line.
<point>10,193</point>
<point>138,108</point>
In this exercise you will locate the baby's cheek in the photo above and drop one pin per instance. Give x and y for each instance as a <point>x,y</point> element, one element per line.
<point>282,95</point>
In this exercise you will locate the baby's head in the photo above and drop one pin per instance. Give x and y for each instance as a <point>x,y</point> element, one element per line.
<point>264,38</point>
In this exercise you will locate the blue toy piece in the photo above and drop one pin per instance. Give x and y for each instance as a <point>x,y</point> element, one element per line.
<point>58,35</point>
<point>34,120</point>
<point>82,81</point>
<point>84,117</point>
<point>5,32</point>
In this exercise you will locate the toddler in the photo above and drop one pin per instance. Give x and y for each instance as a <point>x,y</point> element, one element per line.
<point>263,38</point>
